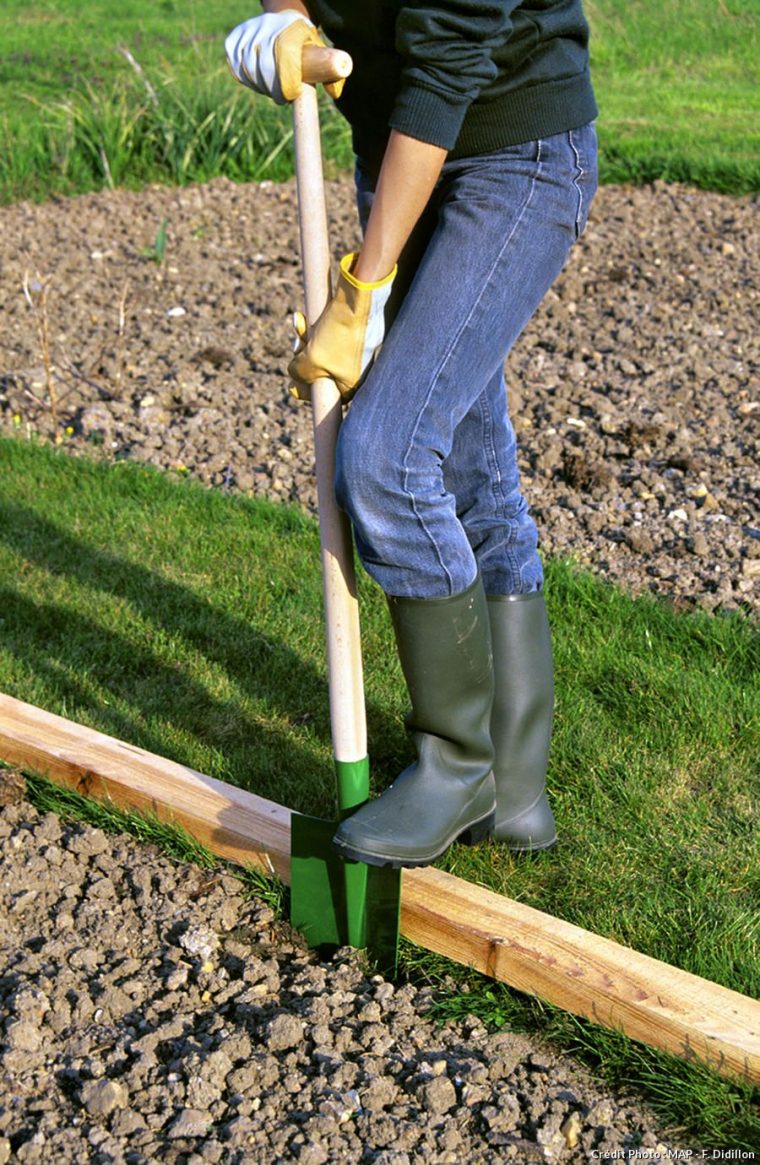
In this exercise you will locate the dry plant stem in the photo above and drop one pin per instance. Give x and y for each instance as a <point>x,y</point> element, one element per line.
<point>120,351</point>
<point>77,374</point>
<point>152,95</point>
<point>36,294</point>
<point>106,168</point>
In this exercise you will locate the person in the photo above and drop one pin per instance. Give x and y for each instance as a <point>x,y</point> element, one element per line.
<point>473,129</point>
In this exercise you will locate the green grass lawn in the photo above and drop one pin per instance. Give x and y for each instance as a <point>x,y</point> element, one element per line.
<point>50,46</point>
<point>188,622</point>
<point>677,85</point>
<point>679,90</point>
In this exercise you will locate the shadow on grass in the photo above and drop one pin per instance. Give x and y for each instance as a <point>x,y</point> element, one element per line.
<point>274,741</point>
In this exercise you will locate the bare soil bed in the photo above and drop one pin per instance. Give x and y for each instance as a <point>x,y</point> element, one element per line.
<point>153,1014</point>
<point>634,390</point>
<point>147,1011</point>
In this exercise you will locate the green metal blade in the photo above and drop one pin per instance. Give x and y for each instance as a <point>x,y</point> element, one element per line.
<point>337,903</point>
<point>382,913</point>
<point>353,790</point>
<point>317,884</point>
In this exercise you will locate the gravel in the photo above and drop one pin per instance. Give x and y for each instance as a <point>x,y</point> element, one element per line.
<point>634,390</point>
<point>150,1011</point>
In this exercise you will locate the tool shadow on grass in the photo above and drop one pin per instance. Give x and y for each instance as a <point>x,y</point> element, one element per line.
<point>262,724</point>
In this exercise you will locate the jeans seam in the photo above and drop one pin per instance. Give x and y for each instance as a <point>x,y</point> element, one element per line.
<point>447,356</point>
<point>497,487</point>
<point>577,183</point>
<point>497,482</point>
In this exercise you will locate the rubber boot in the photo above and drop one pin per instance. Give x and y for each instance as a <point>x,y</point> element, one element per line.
<point>521,720</point>
<point>444,647</point>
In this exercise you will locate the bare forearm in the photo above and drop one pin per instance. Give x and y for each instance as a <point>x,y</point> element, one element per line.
<point>284,5</point>
<point>408,175</point>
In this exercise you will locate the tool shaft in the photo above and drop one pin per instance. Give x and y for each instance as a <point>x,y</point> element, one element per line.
<point>347,713</point>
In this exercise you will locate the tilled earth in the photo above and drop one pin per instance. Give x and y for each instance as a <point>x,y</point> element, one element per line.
<point>153,1013</point>
<point>634,390</point>
<point>149,1012</point>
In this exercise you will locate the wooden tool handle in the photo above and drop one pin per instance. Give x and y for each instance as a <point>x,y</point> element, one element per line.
<point>344,661</point>
<point>325,65</point>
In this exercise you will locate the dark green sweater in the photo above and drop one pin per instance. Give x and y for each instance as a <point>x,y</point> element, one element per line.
<point>469,75</point>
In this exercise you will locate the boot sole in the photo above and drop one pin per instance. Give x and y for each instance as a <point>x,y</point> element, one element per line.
<point>529,850</point>
<point>472,835</point>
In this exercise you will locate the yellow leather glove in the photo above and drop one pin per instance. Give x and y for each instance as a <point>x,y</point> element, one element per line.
<point>265,53</point>
<point>346,337</point>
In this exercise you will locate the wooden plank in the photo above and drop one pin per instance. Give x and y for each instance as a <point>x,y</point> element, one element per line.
<point>234,824</point>
<point>570,967</point>
<point>582,972</point>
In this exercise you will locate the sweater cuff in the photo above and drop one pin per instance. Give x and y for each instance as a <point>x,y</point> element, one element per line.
<point>429,116</point>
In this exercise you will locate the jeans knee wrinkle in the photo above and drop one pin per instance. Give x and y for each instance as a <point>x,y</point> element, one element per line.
<point>500,493</point>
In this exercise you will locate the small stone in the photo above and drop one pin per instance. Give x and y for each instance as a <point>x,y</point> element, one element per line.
<point>602,1113</point>
<point>571,1129</point>
<point>199,941</point>
<point>23,1036</point>
<point>577,371</point>
<point>190,1123</point>
<point>95,419</point>
<point>699,546</point>
<point>380,1091</point>
<point>438,1095</point>
<point>552,1142</point>
<point>177,977</point>
<point>88,843</point>
<point>238,1130</point>
<point>126,1122</point>
<point>12,787</point>
<point>639,540</point>
<point>312,1153</point>
<point>284,1031</point>
<point>102,1097</point>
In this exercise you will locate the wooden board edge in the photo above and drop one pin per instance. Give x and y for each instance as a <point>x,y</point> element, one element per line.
<point>534,952</point>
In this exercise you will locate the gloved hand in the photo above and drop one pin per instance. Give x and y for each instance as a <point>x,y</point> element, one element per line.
<point>264,53</point>
<point>345,339</point>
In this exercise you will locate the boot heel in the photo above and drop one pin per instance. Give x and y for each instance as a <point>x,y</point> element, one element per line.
<point>480,831</point>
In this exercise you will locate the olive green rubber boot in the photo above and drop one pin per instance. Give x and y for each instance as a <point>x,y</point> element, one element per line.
<point>521,720</point>
<point>445,650</point>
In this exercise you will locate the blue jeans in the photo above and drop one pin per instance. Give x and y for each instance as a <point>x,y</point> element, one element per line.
<point>427,459</point>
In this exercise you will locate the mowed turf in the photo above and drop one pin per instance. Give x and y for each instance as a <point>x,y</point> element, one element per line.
<point>677,86</point>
